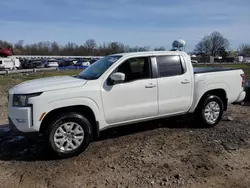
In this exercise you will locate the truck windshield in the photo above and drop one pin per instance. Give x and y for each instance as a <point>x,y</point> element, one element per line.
<point>95,70</point>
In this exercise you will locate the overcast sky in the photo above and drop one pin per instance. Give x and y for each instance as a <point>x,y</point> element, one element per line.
<point>133,22</point>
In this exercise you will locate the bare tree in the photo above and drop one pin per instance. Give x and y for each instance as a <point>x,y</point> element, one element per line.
<point>18,48</point>
<point>160,49</point>
<point>5,44</point>
<point>19,44</point>
<point>200,48</point>
<point>212,44</point>
<point>55,48</point>
<point>114,47</point>
<point>145,48</point>
<point>244,49</point>
<point>90,44</point>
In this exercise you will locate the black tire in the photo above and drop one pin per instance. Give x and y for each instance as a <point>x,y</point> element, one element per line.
<point>76,118</point>
<point>200,111</point>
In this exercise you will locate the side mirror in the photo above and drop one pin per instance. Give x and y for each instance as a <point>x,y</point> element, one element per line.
<point>117,77</point>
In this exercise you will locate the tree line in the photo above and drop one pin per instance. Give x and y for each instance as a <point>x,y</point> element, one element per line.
<point>214,44</point>
<point>71,49</point>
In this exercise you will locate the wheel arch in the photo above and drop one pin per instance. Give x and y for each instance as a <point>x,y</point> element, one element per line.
<point>221,93</point>
<point>84,110</point>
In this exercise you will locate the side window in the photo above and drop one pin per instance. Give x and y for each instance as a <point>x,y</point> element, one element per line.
<point>135,69</point>
<point>169,65</point>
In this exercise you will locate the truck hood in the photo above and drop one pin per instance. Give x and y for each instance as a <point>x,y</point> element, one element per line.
<point>47,84</point>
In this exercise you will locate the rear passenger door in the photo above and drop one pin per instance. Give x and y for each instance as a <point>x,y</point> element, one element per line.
<point>174,85</point>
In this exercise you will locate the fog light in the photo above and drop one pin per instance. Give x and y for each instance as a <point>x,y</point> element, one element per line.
<point>21,120</point>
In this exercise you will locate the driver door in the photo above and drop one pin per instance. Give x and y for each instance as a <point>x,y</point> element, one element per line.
<point>136,97</point>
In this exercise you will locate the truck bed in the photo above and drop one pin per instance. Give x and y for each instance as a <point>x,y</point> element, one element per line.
<point>198,70</point>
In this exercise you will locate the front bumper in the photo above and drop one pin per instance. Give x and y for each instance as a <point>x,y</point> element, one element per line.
<point>21,121</point>
<point>16,132</point>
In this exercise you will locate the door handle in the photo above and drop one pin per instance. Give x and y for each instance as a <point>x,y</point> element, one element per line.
<point>150,85</point>
<point>185,81</point>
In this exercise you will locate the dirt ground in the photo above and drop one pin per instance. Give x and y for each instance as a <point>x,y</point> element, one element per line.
<point>155,154</point>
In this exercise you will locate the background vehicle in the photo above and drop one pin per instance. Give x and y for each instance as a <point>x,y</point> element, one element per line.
<point>31,64</point>
<point>70,111</point>
<point>5,52</point>
<point>51,63</point>
<point>9,63</point>
<point>38,64</point>
<point>93,60</point>
<point>65,63</point>
<point>82,62</point>
<point>194,61</point>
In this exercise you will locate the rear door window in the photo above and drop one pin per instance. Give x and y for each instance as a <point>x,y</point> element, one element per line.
<point>169,65</point>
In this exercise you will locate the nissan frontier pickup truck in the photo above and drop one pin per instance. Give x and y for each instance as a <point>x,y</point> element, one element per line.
<point>119,89</point>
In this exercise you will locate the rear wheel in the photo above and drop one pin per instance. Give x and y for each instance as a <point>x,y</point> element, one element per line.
<point>70,134</point>
<point>210,111</point>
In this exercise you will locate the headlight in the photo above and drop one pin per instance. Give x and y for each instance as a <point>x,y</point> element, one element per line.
<point>20,100</point>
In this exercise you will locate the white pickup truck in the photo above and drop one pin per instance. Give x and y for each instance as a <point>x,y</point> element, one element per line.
<point>119,89</point>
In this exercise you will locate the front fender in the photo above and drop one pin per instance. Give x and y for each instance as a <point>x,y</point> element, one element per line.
<point>40,108</point>
<point>75,102</point>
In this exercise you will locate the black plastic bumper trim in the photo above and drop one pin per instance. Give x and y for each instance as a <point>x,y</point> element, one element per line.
<point>16,132</point>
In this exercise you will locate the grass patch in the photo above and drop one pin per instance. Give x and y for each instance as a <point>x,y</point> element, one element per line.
<point>14,79</point>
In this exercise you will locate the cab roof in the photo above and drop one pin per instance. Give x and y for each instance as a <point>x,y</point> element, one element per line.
<point>149,53</point>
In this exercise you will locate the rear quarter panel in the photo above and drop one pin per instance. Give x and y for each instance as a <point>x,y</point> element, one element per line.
<point>229,81</point>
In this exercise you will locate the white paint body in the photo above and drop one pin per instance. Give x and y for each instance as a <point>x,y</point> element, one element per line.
<point>124,103</point>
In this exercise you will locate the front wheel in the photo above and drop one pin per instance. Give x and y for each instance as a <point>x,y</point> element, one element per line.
<point>210,111</point>
<point>70,135</point>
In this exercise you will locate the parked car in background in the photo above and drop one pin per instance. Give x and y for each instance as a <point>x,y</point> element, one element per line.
<point>38,64</point>
<point>93,60</point>
<point>82,62</point>
<point>73,60</point>
<point>30,64</point>
<point>194,61</point>
<point>246,59</point>
<point>5,52</point>
<point>65,62</point>
<point>51,63</point>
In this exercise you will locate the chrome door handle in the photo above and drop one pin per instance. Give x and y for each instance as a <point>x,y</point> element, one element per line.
<point>150,85</point>
<point>185,81</point>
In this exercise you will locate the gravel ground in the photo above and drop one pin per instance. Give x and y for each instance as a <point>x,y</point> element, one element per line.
<point>154,154</point>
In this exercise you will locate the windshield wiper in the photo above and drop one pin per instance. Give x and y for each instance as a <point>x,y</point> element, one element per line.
<point>84,77</point>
